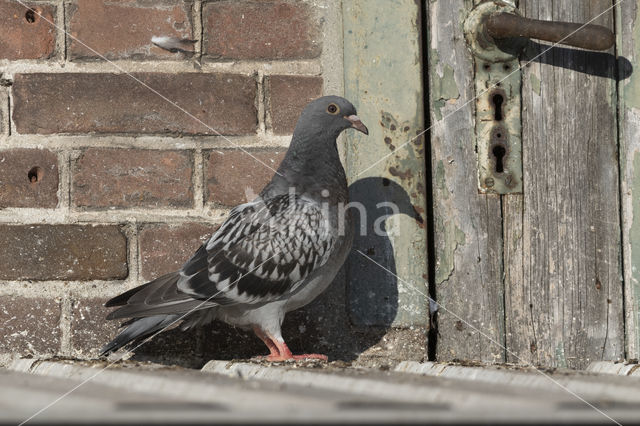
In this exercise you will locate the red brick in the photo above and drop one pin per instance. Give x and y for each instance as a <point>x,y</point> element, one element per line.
<point>235,177</point>
<point>23,33</point>
<point>132,178</point>
<point>28,178</point>
<point>288,95</point>
<point>62,252</point>
<point>123,29</point>
<point>90,332</point>
<point>260,30</point>
<point>165,248</point>
<point>29,325</point>
<point>89,329</point>
<point>115,103</point>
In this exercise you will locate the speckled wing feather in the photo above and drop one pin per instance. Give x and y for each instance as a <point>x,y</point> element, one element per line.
<point>263,251</point>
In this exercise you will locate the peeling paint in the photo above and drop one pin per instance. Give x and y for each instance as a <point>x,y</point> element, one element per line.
<point>453,237</point>
<point>628,46</point>
<point>402,174</point>
<point>560,357</point>
<point>437,108</point>
<point>631,89</point>
<point>634,240</point>
<point>447,87</point>
<point>440,180</point>
<point>535,84</point>
<point>383,77</point>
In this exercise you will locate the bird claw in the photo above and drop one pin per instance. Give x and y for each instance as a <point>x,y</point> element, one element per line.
<point>311,356</point>
<point>280,358</point>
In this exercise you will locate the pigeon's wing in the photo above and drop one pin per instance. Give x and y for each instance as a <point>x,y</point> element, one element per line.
<point>262,252</point>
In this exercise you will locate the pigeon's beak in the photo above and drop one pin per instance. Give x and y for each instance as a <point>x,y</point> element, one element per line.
<point>357,124</point>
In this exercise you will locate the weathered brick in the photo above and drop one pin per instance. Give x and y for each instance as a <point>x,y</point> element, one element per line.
<point>165,248</point>
<point>116,103</point>
<point>29,325</point>
<point>62,252</point>
<point>260,30</point>
<point>24,34</point>
<point>89,329</point>
<point>93,22</point>
<point>28,178</point>
<point>288,95</point>
<point>90,332</point>
<point>132,178</point>
<point>234,177</point>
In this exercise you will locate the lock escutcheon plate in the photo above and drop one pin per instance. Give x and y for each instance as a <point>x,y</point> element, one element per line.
<point>498,82</point>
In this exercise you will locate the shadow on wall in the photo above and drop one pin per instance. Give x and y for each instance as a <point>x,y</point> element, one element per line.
<point>351,317</point>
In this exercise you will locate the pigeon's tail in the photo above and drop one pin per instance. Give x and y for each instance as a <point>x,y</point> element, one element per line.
<point>158,297</point>
<point>137,329</point>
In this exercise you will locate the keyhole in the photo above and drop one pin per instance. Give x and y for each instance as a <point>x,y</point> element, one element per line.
<point>499,152</point>
<point>497,106</point>
<point>30,16</point>
<point>35,175</point>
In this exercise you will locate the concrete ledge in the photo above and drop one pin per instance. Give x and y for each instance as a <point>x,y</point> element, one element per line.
<point>488,392</point>
<point>319,392</point>
<point>617,368</point>
<point>588,385</point>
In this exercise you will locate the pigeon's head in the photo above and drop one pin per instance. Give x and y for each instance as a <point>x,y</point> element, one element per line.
<point>330,114</point>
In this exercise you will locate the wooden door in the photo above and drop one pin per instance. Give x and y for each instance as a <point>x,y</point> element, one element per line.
<point>533,277</point>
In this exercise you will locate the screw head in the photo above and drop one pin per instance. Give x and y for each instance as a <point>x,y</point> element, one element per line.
<point>489,182</point>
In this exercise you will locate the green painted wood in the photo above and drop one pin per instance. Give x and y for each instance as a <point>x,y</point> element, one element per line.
<point>468,225</point>
<point>383,77</point>
<point>628,47</point>
<point>563,289</point>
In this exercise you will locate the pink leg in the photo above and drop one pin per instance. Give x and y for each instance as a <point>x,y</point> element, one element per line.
<point>267,341</point>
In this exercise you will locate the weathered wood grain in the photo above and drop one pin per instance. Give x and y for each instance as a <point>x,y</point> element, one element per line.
<point>563,289</point>
<point>628,47</point>
<point>468,225</point>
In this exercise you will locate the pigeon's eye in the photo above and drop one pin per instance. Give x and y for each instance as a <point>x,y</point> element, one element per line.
<point>333,109</point>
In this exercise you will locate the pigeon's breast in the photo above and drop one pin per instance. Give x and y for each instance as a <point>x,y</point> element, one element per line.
<point>320,279</point>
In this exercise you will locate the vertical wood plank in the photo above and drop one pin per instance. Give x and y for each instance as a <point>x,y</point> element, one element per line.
<point>468,225</point>
<point>383,76</point>
<point>628,46</point>
<point>563,285</point>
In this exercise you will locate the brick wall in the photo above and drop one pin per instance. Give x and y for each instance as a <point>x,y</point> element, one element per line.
<point>104,183</point>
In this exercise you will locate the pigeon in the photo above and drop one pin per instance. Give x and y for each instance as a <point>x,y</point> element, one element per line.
<point>271,255</point>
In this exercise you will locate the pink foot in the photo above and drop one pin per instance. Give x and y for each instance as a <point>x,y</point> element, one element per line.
<point>311,356</point>
<point>280,351</point>
<point>276,358</point>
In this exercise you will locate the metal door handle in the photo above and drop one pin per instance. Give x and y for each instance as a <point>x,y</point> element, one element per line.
<point>590,36</point>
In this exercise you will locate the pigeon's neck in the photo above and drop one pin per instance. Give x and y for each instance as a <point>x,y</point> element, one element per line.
<point>311,167</point>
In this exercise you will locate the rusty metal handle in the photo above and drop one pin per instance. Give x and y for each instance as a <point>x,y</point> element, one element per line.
<point>590,36</point>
